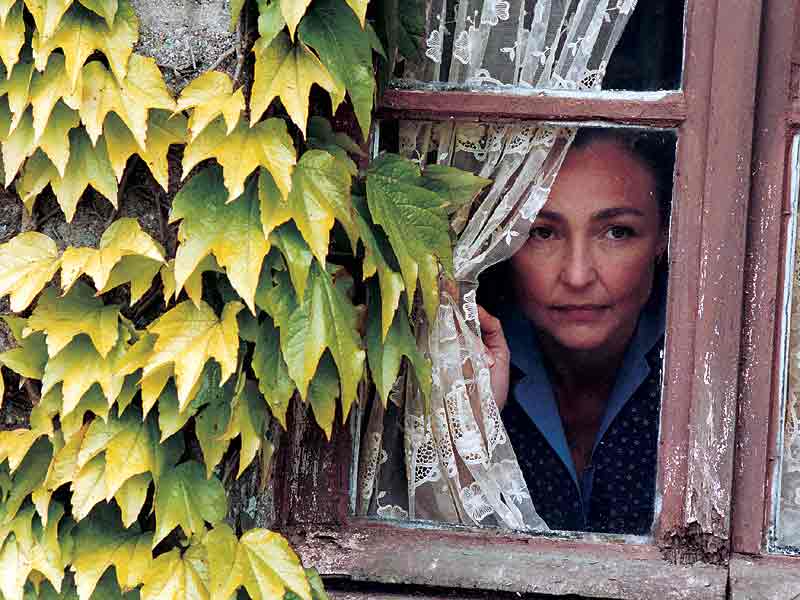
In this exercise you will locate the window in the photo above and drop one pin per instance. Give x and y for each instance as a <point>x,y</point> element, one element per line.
<point>695,529</point>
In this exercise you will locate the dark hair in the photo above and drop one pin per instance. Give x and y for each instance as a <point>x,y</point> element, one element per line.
<point>654,149</point>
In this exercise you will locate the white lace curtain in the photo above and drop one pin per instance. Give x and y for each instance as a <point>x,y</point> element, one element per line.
<point>455,464</point>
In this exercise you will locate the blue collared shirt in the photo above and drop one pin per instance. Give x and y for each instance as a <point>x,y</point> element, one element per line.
<point>533,393</point>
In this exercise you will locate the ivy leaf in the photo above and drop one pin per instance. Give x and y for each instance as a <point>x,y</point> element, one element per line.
<point>63,318</point>
<point>88,165</point>
<point>385,353</point>
<point>18,146</point>
<point>175,577</point>
<point>344,48</point>
<point>47,89</point>
<point>5,9</point>
<point>47,14</point>
<point>266,144</point>
<point>249,420</point>
<point>12,36</point>
<point>17,88</point>
<point>131,497</point>
<point>193,284</point>
<point>27,263</point>
<point>455,186</point>
<point>28,476</point>
<point>88,487</point>
<point>209,96</point>
<point>414,220</point>
<point>322,393</point>
<point>163,130</point>
<point>188,336</point>
<point>170,418</point>
<point>212,422</point>
<point>142,89</point>
<point>137,270</point>
<point>28,359</point>
<point>261,561</point>
<point>186,499</point>
<point>81,33</point>
<point>131,451</point>
<point>288,71</point>
<point>270,20</point>
<point>100,542</point>
<point>79,366</point>
<point>325,319</point>
<point>104,8</point>
<point>271,370</point>
<point>293,11</point>
<point>123,238</point>
<point>15,444</point>
<point>37,173</point>
<point>62,470</point>
<point>230,231</point>
<point>321,136</point>
<point>376,260</point>
<point>296,253</point>
<point>54,141</point>
<point>320,194</point>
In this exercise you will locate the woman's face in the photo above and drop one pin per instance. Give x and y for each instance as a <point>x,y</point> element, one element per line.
<point>586,270</point>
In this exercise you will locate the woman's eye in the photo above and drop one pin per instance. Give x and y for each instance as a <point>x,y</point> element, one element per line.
<point>619,232</point>
<point>541,233</point>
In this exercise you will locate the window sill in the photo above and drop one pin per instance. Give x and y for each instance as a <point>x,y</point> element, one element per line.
<point>382,553</point>
<point>765,577</point>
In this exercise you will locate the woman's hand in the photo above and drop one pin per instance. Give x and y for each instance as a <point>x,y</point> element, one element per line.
<point>499,356</point>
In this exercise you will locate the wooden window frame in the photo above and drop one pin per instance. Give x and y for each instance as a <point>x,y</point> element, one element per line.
<point>755,572</point>
<point>688,552</point>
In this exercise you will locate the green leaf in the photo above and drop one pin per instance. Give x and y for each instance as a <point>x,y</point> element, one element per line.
<point>62,469</point>
<point>266,144</point>
<point>322,137</point>
<point>325,319</point>
<point>54,141</point>
<point>288,71</point>
<point>37,173</point>
<point>293,11</point>
<point>62,318</point>
<point>27,263</point>
<point>194,283</point>
<point>12,36</point>
<point>186,499</point>
<point>271,370</point>
<point>296,253</point>
<point>176,577</point>
<point>230,231</point>
<point>88,487</point>
<point>414,220</point>
<point>104,8</point>
<point>123,238</point>
<point>211,95</point>
<point>385,354</point>
<point>101,542</point>
<point>28,359</point>
<point>131,497</point>
<point>344,48</point>
<point>81,33</point>
<point>270,20</point>
<point>189,336</point>
<point>131,451</point>
<point>28,476</point>
<point>79,366</point>
<point>261,561</point>
<point>317,587</point>
<point>454,186</point>
<point>170,418</point>
<point>15,444</point>
<point>249,420</point>
<point>212,422</point>
<point>322,393</point>
<point>320,194</point>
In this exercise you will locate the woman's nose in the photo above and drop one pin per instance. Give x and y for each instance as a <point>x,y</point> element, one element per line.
<point>578,269</point>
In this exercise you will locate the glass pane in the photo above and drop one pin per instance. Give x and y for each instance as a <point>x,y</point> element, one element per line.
<point>549,44</point>
<point>565,251</point>
<point>787,505</point>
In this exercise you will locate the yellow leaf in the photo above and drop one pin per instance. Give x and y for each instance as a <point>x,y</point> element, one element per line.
<point>194,282</point>
<point>293,11</point>
<point>37,173</point>
<point>162,131</point>
<point>81,33</point>
<point>12,37</point>
<point>88,487</point>
<point>131,451</point>
<point>14,446</point>
<point>267,144</point>
<point>131,497</point>
<point>186,499</point>
<point>27,262</point>
<point>88,165</point>
<point>288,71</point>
<point>63,318</point>
<point>62,470</point>
<point>261,561</point>
<point>17,88</point>
<point>123,238</point>
<point>79,366</point>
<point>270,368</point>
<point>188,336</point>
<point>5,9</point>
<point>47,88</point>
<point>104,8</point>
<point>360,8</point>
<point>18,146</point>
<point>175,577</point>
<point>29,357</point>
<point>54,141</point>
<point>47,14</point>
<point>29,476</point>
<point>231,232</point>
<point>137,270</point>
<point>209,96</point>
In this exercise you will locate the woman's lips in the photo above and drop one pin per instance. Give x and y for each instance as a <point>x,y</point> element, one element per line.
<point>583,313</point>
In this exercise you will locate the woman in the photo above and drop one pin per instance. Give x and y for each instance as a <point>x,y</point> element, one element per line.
<point>578,380</point>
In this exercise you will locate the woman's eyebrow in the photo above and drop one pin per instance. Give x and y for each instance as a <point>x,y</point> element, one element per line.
<point>612,213</point>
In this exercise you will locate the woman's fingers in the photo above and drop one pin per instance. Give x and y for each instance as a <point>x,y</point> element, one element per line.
<point>493,337</point>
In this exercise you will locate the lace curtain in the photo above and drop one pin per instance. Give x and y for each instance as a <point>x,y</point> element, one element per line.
<point>455,463</point>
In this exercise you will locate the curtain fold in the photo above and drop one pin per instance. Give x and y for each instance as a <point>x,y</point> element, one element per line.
<point>454,463</point>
